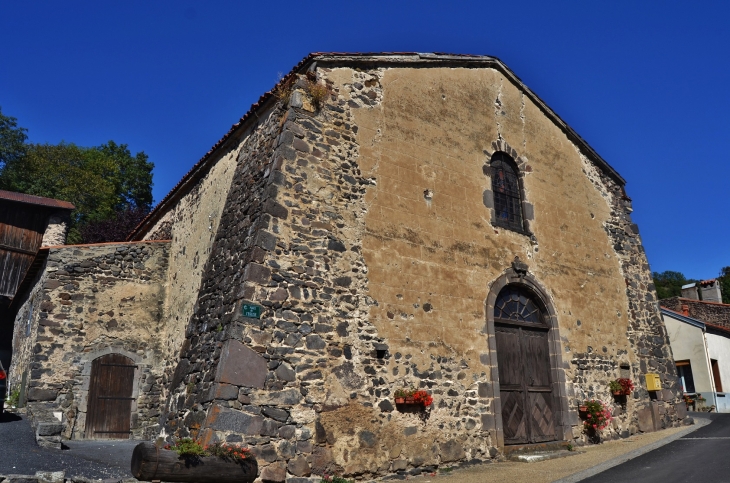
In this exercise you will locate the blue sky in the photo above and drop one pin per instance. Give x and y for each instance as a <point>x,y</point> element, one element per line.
<point>645,83</point>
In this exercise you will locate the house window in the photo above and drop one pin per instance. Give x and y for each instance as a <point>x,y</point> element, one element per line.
<point>506,190</point>
<point>716,376</point>
<point>684,371</point>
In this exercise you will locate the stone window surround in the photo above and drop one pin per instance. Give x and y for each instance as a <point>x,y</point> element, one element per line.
<point>83,394</point>
<point>528,210</point>
<point>518,275</point>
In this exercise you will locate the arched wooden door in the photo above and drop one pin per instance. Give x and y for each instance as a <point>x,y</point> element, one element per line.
<point>523,360</point>
<point>109,411</point>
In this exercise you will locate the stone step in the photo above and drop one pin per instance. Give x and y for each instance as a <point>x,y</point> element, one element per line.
<point>542,455</point>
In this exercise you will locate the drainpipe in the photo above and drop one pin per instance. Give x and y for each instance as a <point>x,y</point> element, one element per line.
<point>709,367</point>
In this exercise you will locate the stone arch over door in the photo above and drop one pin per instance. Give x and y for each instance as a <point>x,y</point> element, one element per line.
<point>519,276</point>
<point>79,429</point>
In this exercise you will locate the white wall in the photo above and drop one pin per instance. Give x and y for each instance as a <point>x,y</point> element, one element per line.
<point>688,343</point>
<point>718,347</point>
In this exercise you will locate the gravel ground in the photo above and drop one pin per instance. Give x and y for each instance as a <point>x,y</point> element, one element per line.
<point>90,459</point>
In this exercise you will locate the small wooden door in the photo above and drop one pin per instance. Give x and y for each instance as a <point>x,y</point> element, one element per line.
<point>109,411</point>
<point>523,361</point>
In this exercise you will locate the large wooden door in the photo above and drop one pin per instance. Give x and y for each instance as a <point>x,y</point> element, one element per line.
<point>524,385</point>
<point>109,410</point>
<point>523,361</point>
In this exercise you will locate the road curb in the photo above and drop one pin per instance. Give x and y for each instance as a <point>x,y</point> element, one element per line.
<point>582,475</point>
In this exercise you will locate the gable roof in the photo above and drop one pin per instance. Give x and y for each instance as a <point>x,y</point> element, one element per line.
<point>394,59</point>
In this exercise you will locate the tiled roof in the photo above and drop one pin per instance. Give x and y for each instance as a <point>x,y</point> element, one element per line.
<point>35,200</point>
<point>719,328</point>
<point>701,301</point>
<point>397,58</point>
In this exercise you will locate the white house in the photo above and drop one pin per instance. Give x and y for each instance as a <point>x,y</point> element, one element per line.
<point>702,355</point>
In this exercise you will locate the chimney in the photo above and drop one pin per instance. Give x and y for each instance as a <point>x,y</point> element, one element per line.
<point>689,291</point>
<point>685,310</point>
<point>710,291</point>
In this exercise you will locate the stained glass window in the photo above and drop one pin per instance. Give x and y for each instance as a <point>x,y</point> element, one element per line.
<point>506,190</point>
<point>514,303</point>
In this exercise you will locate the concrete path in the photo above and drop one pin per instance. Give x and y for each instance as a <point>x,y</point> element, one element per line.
<point>592,460</point>
<point>90,459</point>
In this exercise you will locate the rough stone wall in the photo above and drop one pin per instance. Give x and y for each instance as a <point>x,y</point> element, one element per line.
<point>57,229</point>
<point>362,228</point>
<point>92,300</point>
<point>241,241</point>
<point>432,251</point>
<point>190,224</point>
<point>25,330</point>
<point>646,331</point>
<point>712,312</point>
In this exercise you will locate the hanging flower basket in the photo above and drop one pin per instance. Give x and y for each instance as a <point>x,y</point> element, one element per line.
<point>621,386</point>
<point>597,415</point>
<point>412,397</point>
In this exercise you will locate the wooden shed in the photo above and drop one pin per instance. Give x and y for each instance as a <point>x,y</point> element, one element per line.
<point>23,223</point>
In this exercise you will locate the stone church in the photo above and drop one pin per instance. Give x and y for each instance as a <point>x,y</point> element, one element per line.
<point>376,222</point>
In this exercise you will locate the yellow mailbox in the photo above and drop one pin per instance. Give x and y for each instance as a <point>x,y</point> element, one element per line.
<point>653,382</point>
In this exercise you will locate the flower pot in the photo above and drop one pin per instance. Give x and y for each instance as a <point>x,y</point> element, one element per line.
<point>410,400</point>
<point>619,393</point>
<point>400,400</point>
<point>583,409</point>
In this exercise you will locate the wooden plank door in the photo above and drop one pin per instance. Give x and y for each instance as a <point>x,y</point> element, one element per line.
<point>511,385</point>
<point>109,411</point>
<point>538,387</point>
<point>523,364</point>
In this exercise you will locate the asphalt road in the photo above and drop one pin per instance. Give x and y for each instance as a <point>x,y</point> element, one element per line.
<point>90,459</point>
<point>703,455</point>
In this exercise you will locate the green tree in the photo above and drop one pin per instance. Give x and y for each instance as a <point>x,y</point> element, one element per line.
<point>669,284</point>
<point>12,140</point>
<point>100,181</point>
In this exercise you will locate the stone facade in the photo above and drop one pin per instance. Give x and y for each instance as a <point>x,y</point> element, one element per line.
<point>355,206</point>
<point>91,300</point>
<point>364,226</point>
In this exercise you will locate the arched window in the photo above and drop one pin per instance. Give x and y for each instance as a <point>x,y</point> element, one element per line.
<point>515,304</point>
<point>506,190</point>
